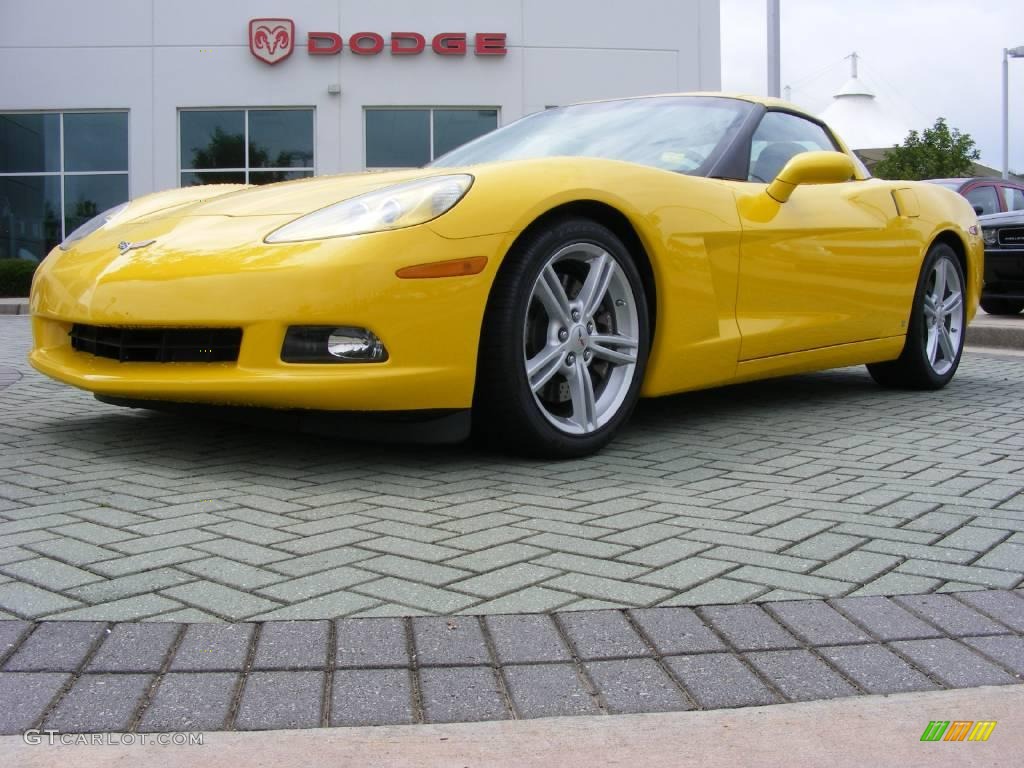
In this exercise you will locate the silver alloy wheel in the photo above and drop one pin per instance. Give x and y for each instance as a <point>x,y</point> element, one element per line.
<point>581,337</point>
<point>943,316</point>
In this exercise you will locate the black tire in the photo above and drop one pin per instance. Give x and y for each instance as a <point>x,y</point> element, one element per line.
<point>1002,306</point>
<point>506,415</point>
<point>912,369</point>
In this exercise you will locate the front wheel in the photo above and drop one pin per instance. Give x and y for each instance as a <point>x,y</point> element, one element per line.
<point>1002,306</point>
<point>564,343</point>
<point>935,334</point>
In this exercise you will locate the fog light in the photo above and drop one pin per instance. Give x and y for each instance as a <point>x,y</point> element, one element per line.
<point>332,344</point>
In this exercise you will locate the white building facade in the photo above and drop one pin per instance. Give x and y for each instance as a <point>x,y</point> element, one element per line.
<point>102,100</point>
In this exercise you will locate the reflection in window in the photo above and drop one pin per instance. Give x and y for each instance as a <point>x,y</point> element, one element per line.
<point>92,170</point>
<point>780,137</point>
<point>407,138</point>
<point>228,146</point>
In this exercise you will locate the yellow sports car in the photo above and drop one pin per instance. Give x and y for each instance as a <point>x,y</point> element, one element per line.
<point>539,279</point>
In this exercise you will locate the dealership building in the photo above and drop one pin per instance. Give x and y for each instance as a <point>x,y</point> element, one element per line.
<point>107,100</point>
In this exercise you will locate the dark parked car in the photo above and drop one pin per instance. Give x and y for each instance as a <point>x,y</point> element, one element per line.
<point>1003,293</point>
<point>987,194</point>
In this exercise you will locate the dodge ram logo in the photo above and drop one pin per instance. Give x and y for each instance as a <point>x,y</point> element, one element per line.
<point>271,40</point>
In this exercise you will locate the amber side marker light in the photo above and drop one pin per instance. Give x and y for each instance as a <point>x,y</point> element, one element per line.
<point>453,268</point>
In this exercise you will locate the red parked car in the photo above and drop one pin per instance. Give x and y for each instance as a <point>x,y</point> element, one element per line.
<point>987,194</point>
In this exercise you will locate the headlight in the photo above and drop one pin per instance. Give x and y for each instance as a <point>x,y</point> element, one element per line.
<point>92,225</point>
<point>989,235</point>
<point>395,207</point>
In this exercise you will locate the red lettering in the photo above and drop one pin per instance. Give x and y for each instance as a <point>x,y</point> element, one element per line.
<point>490,44</point>
<point>407,43</point>
<point>449,44</point>
<point>324,43</point>
<point>357,44</point>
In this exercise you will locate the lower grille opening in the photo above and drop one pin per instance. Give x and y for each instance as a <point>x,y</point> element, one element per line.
<point>158,345</point>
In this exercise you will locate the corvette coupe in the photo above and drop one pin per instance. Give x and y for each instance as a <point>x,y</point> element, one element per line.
<point>529,286</point>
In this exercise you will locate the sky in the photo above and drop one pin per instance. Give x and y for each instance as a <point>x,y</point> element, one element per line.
<point>923,58</point>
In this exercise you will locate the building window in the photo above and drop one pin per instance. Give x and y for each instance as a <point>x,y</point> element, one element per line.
<point>411,137</point>
<point>57,170</point>
<point>245,146</point>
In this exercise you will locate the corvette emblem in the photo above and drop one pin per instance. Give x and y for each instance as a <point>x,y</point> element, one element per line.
<point>124,246</point>
<point>271,40</point>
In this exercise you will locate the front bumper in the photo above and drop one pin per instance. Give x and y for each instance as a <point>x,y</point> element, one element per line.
<point>1004,273</point>
<point>215,272</point>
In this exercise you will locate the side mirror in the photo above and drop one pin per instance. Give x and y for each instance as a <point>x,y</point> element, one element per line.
<point>979,210</point>
<point>810,168</point>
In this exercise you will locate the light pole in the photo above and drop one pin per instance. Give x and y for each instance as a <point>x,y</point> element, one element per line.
<point>774,44</point>
<point>1008,53</point>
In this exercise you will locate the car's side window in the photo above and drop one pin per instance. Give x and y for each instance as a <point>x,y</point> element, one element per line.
<point>983,197</point>
<point>779,137</point>
<point>1014,198</point>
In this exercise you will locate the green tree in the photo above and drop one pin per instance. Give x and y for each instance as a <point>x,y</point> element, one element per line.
<point>938,152</point>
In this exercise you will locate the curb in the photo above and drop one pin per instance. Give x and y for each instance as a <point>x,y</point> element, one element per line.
<point>13,306</point>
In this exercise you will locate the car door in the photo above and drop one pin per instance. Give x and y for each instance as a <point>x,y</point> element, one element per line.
<point>830,266</point>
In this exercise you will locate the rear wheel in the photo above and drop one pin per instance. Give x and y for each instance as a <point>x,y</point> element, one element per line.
<point>564,343</point>
<point>935,335</point>
<point>1002,306</point>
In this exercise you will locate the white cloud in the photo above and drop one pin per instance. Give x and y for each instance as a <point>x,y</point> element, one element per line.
<point>923,58</point>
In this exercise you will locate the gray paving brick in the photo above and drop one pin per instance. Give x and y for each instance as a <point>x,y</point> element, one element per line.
<point>876,669</point>
<point>675,631</point>
<point>1008,650</point>
<point>223,601</point>
<point>1008,557</point>
<point>99,703</point>
<point>612,590</point>
<point>816,623</point>
<point>884,619</point>
<point>1006,607</point>
<point>717,592</point>
<point>134,648</point>
<point>25,696</point>
<point>292,645</point>
<point>304,587</point>
<point>799,582</point>
<point>12,632</point>
<point>423,596</point>
<point>602,635</point>
<point>687,573</point>
<point>371,697</point>
<point>30,601</point>
<point>461,695</point>
<point>719,680</point>
<point>949,615</point>
<point>94,534</point>
<point>504,580</point>
<point>147,561</point>
<point>952,663</point>
<point>921,551</point>
<point>896,584</point>
<point>190,701</point>
<point>276,700</point>
<point>56,646</point>
<point>590,565</point>
<point>213,647</point>
<point>973,538</point>
<point>496,557</point>
<point>986,577</point>
<point>824,546</point>
<point>72,551</point>
<point>526,638</point>
<point>125,609</point>
<point>445,641</point>
<point>748,627</point>
<point>414,570</point>
<point>664,552</point>
<point>800,675</point>
<point>128,586</point>
<point>231,572</point>
<point>253,554</point>
<point>529,600</point>
<point>548,690</point>
<point>334,605</point>
<point>858,566</point>
<point>635,685</point>
<point>370,643</point>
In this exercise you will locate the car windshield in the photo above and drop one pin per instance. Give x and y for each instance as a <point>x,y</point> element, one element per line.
<point>675,133</point>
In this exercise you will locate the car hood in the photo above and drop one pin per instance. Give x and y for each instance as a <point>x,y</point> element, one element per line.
<point>1001,219</point>
<point>304,195</point>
